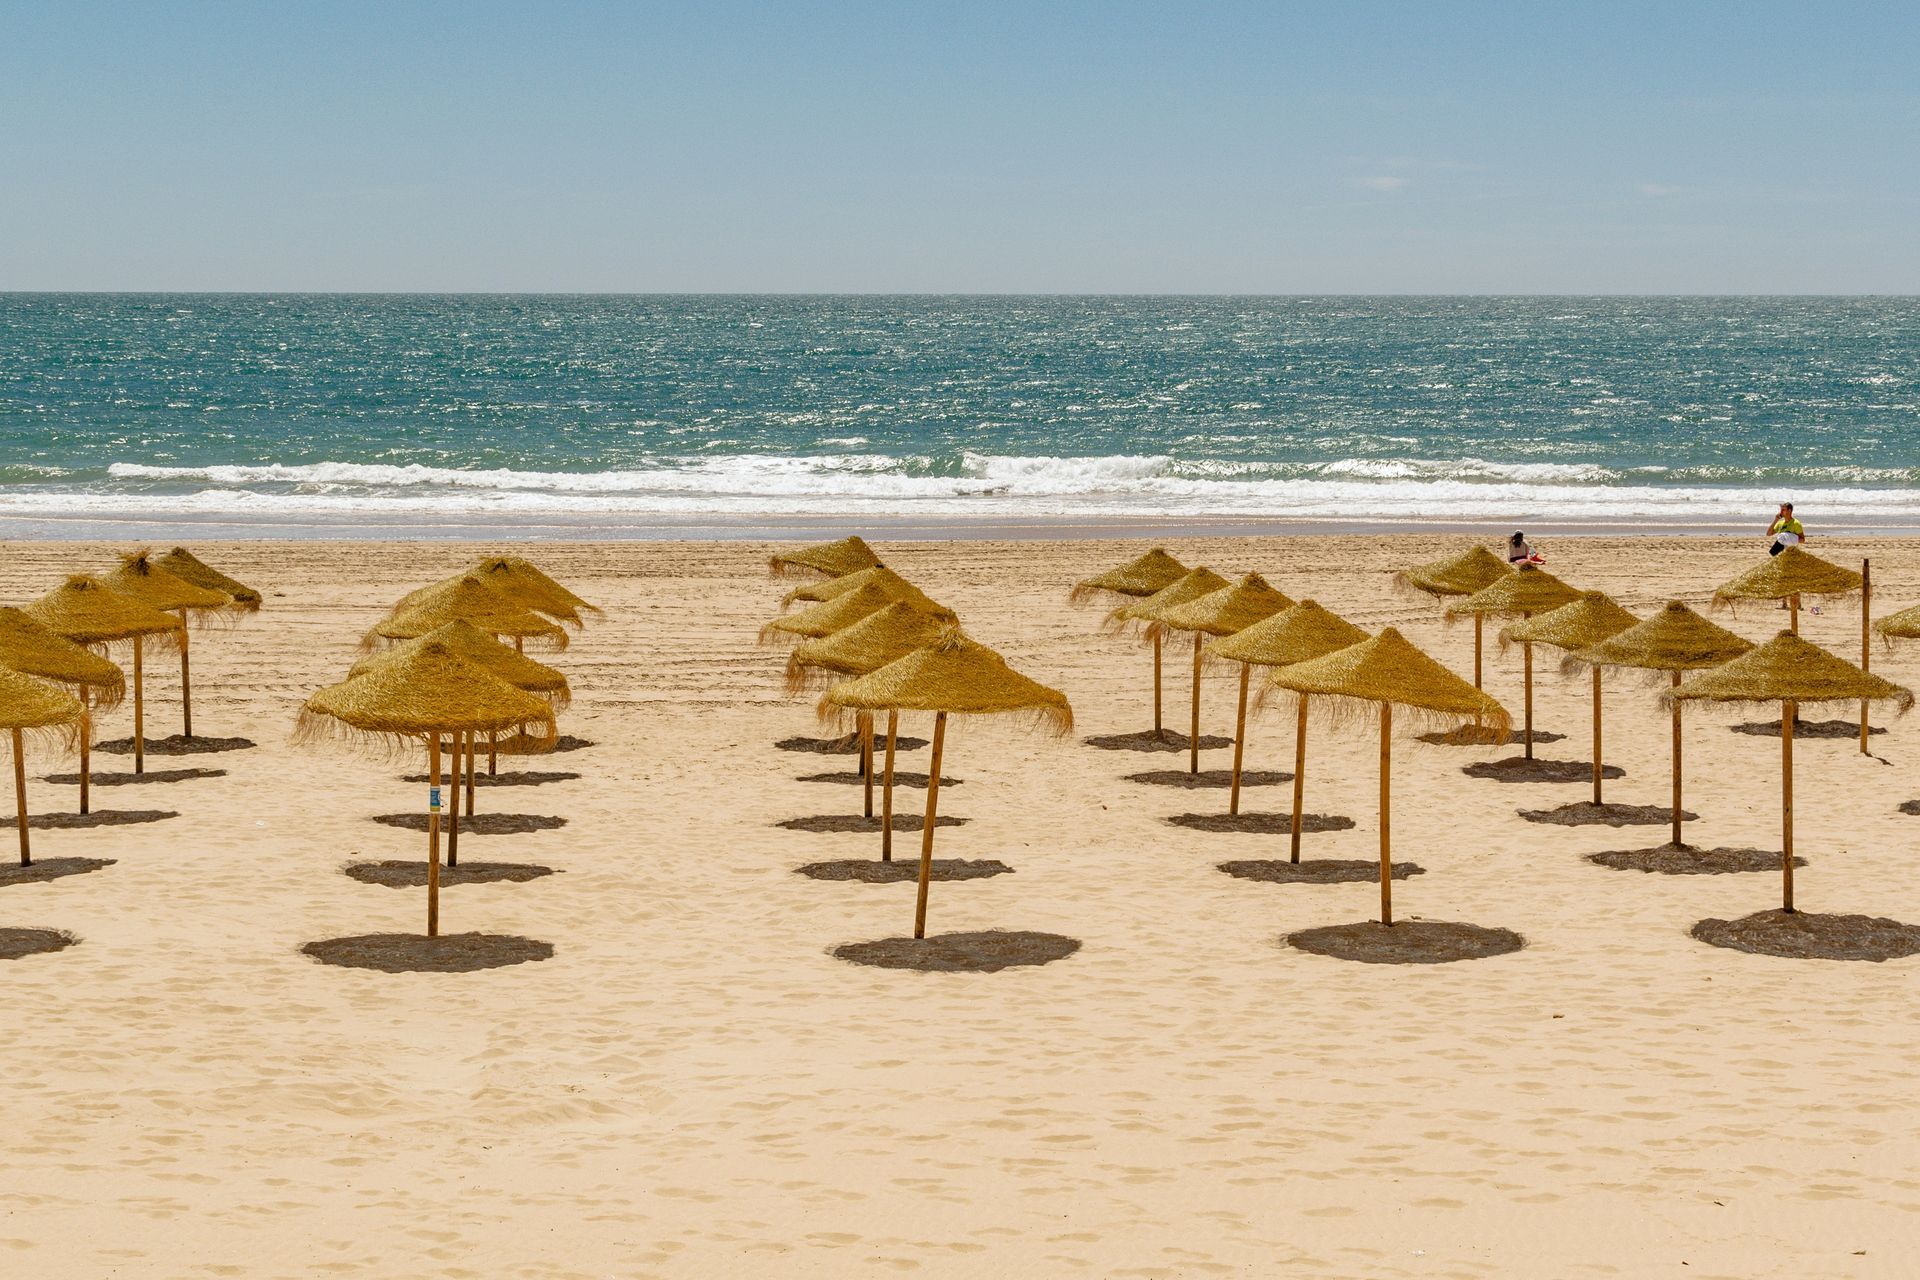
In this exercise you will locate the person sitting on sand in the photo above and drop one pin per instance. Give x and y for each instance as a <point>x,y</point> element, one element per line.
<point>1520,551</point>
<point>1785,531</point>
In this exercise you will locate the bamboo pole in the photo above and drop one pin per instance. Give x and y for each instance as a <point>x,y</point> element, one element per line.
<point>1678,843</point>
<point>866,758</point>
<point>1239,738</point>
<point>1866,639</point>
<point>1158,731</point>
<point>20,795</point>
<point>1193,739</point>
<point>1386,813</point>
<point>1787,713</point>
<point>458,749</point>
<point>139,714</point>
<point>86,746</point>
<point>1299,778</point>
<point>926,832</point>
<point>1596,736</point>
<point>886,790</point>
<point>433,841</point>
<point>186,682</point>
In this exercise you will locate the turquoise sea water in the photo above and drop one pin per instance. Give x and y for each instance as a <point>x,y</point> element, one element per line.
<point>417,408</point>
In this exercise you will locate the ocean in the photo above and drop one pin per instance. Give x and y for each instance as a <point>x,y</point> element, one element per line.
<point>615,414</point>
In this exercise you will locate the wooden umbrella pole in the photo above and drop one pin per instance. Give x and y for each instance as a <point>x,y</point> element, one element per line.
<point>519,644</point>
<point>1526,657</point>
<point>1866,639</point>
<point>1793,618</point>
<point>1193,739</point>
<point>453,810</point>
<point>1787,713</point>
<point>472,750</point>
<point>1678,843</point>
<point>1299,778</point>
<point>86,747</point>
<point>1596,736</point>
<point>139,714</point>
<point>186,682</point>
<point>1386,813</point>
<point>20,796</point>
<point>493,752</point>
<point>926,832</point>
<point>886,790</point>
<point>1158,731</point>
<point>433,840</point>
<point>1479,628</point>
<point>1239,738</point>
<point>866,758</point>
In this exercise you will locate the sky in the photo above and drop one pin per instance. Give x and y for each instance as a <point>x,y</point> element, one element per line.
<point>1325,147</point>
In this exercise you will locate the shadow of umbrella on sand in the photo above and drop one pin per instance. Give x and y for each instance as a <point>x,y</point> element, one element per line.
<point>32,650</point>
<point>1585,622</point>
<point>1234,607</point>
<point>1458,576</point>
<point>952,676</point>
<point>1304,632</point>
<point>1521,594</point>
<point>1378,675</point>
<point>417,699</point>
<point>1128,617</point>
<point>32,706</point>
<point>88,612</point>
<point>823,559</point>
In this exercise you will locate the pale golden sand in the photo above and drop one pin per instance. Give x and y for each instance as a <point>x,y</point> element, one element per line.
<point>693,1086</point>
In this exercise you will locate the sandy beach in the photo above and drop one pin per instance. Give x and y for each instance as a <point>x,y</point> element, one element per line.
<point>694,1086</point>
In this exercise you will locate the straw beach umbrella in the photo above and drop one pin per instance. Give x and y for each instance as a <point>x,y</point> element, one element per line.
<point>421,697</point>
<point>1189,586</point>
<point>522,582</point>
<point>139,578</point>
<point>824,559</point>
<point>1234,607</point>
<point>465,598</point>
<point>183,564</point>
<point>883,636</point>
<point>88,612</point>
<point>1472,570</point>
<point>1674,640</point>
<point>32,650</point>
<point>29,706</point>
<point>1789,671</point>
<point>1304,632</point>
<point>952,676</point>
<point>1584,622</point>
<point>895,587</point>
<point>829,616</point>
<point>1796,572</point>
<point>1386,671</point>
<point>1136,579</point>
<point>1521,594</point>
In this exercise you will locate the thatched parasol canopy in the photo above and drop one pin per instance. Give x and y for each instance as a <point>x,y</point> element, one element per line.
<point>1304,631</point>
<point>954,674</point>
<point>1189,587</point>
<point>896,587</point>
<point>1587,620</point>
<point>31,649</point>
<point>829,616</point>
<point>183,564</point>
<point>1234,607</point>
<point>28,705</point>
<point>1794,572</point>
<point>1790,669</point>
<point>1674,639</point>
<point>1137,578</point>
<point>883,636</point>
<point>1388,668</point>
<point>139,578</point>
<point>1528,589</point>
<point>470,644</point>
<point>424,693</point>
<point>1904,625</point>
<point>85,610</point>
<point>522,582</point>
<point>464,599</point>
<point>828,559</point>
<point>1472,570</point>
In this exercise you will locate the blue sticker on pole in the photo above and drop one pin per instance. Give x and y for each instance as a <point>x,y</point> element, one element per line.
<point>433,800</point>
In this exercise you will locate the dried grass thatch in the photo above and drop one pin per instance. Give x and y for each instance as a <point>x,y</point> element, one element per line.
<point>1473,570</point>
<point>86,611</point>
<point>139,579</point>
<point>1588,620</point>
<point>1136,579</point>
<point>1904,625</point>
<point>1794,572</point>
<point>1388,668</point>
<point>1789,669</point>
<point>1234,607</point>
<point>1529,589</point>
<point>896,587</point>
<point>826,559</point>
<point>829,616</point>
<point>953,674</point>
<point>464,599</point>
<point>470,644</point>
<point>183,564</point>
<point>521,581</point>
<point>32,650</point>
<point>1298,634</point>
<point>1144,613</point>
<point>1674,639</point>
<point>32,706</point>
<point>426,692</point>
<point>883,636</point>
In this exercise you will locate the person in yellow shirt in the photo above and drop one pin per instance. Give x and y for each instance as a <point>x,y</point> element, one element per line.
<point>1785,531</point>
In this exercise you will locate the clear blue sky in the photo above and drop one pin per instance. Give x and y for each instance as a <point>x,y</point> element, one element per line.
<point>962,146</point>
